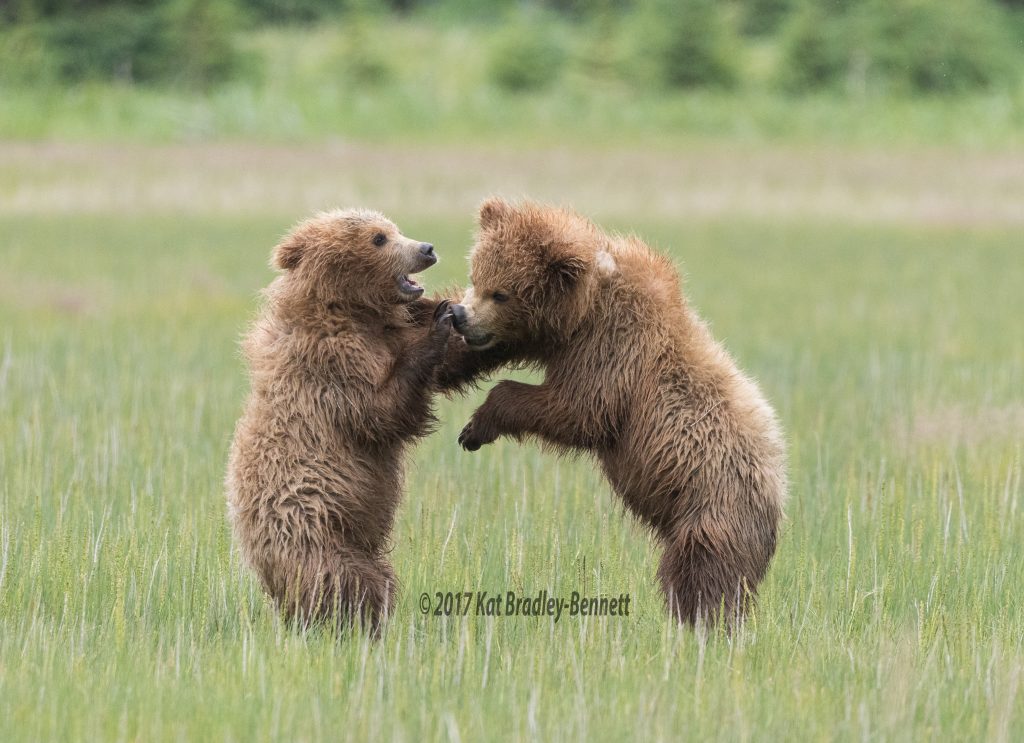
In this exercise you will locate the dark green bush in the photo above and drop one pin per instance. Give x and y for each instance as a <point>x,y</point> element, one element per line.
<point>687,43</point>
<point>816,55</point>
<point>602,55</point>
<point>762,17</point>
<point>311,11</point>
<point>901,46</point>
<point>199,32</point>
<point>187,42</point>
<point>293,11</point>
<point>118,42</point>
<point>25,56</point>
<point>29,11</point>
<point>525,57</point>
<point>362,57</point>
<point>937,46</point>
<point>586,9</point>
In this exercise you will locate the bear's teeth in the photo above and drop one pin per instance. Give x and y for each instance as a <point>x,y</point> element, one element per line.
<point>406,284</point>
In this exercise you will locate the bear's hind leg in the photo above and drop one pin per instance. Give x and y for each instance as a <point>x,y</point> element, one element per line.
<point>348,587</point>
<point>703,579</point>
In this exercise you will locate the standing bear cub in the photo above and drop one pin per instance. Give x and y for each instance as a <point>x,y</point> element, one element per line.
<point>342,363</point>
<point>634,377</point>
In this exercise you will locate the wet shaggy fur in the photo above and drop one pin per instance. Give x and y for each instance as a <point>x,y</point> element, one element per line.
<point>342,361</point>
<point>633,377</point>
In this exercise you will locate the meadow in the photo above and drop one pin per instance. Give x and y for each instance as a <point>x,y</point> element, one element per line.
<point>876,297</point>
<point>418,81</point>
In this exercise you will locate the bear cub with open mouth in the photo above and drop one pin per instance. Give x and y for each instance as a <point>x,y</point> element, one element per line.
<point>342,362</point>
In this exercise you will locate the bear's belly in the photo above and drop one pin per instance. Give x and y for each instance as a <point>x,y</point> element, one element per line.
<point>289,494</point>
<point>647,493</point>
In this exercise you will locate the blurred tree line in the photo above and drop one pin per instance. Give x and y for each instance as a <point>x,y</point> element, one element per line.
<point>179,41</point>
<point>898,46</point>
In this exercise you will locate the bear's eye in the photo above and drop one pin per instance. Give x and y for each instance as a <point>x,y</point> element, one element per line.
<point>499,297</point>
<point>379,239</point>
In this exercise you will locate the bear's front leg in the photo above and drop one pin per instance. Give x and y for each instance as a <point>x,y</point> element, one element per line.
<point>463,366</point>
<point>516,409</point>
<point>426,352</point>
<point>422,310</point>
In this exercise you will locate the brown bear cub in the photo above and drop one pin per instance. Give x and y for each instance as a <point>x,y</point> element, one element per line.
<point>342,361</point>
<point>634,377</point>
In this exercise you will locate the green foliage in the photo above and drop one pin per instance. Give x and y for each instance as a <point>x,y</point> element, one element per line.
<point>586,9</point>
<point>937,46</point>
<point>115,43</point>
<point>526,56</point>
<point>186,42</point>
<point>438,88</point>
<point>763,17</point>
<point>200,34</point>
<point>895,47</point>
<point>27,11</point>
<point>363,53</point>
<point>813,49</point>
<point>603,54</point>
<point>25,57</point>
<point>687,43</point>
<point>901,46</point>
<point>293,11</point>
<point>311,11</point>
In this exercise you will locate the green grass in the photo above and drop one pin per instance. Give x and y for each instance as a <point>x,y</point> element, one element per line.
<point>893,610</point>
<point>437,88</point>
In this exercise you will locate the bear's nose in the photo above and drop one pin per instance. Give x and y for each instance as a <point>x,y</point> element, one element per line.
<point>458,313</point>
<point>426,248</point>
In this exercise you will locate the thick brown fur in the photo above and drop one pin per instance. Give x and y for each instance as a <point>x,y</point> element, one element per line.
<point>342,361</point>
<point>633,377</point>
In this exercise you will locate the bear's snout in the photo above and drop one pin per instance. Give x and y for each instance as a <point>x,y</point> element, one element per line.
<point>474,336</point>
<point>424,257</point>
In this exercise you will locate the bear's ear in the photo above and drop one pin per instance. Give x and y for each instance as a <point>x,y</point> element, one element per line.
<point>288,253</point>
<point>493,210</point>
<point>565,272</point>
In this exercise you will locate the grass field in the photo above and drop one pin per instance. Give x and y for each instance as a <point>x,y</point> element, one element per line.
<point>436,87</point>
<point>890,342</point>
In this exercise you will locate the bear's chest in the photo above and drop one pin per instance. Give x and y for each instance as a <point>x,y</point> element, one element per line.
<point>394,338</point>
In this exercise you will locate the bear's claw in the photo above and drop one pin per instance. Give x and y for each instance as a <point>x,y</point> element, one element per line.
<point>466,439</point>
<point>442,308</point>
<point>443,317</point>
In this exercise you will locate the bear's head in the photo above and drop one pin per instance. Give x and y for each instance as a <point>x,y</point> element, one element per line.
<point>532,273</point>
<point>353,255</point>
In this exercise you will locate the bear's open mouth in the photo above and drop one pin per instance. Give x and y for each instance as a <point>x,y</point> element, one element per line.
<point>478,341</point>
<point>409,287</point>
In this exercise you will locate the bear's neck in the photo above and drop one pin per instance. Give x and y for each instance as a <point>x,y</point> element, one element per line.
<point>316,313</point>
